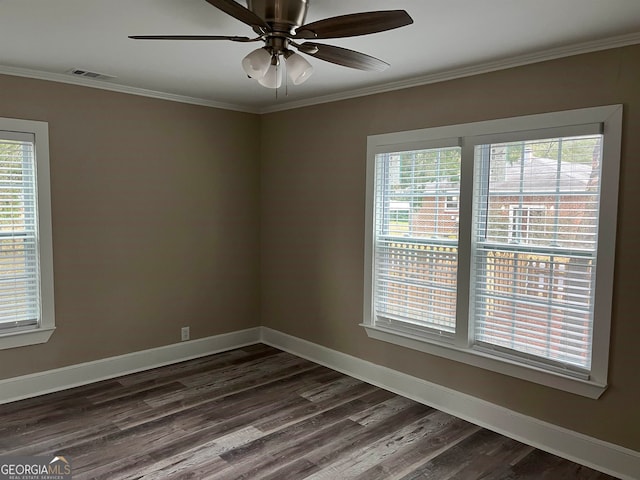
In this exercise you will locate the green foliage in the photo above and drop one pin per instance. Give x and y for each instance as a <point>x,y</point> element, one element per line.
<point>11,183</point>
<point>421,172</point>
<point>430,166</point>
<point>572,149</point>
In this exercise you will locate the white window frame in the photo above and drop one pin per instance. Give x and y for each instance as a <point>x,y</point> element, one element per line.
<point>458,347</point>
<point>40,333</point>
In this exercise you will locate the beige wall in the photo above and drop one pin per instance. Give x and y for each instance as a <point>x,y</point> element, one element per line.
<point>155,208</point>
<point>313,193</point>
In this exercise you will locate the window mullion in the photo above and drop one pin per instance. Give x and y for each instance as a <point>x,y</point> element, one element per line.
<point>463,335</point>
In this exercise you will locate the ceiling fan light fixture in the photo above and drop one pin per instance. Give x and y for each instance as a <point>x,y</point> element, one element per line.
<point>257,63</point>
<point>298,69</point>
<point>278,23</point>
<point>273,77</point>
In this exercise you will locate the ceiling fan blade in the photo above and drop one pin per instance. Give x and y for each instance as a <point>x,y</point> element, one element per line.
<point>193,37</point>
<point>343,56</point>
<point>239,12</point>
<point>355,24</point>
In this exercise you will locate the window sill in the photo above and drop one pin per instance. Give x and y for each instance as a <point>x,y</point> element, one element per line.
<point>25,337</point>
<point>585,388</point>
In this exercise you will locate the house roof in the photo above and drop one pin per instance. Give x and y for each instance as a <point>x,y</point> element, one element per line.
<point>542,175</point>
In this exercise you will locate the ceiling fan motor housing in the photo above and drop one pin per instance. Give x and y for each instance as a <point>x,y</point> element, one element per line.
<point>282,15</point>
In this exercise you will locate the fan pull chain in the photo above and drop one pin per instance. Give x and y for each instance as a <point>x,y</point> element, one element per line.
<point>286,81</point>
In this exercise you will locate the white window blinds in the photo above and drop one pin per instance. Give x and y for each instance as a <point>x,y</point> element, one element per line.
<point>536,218</point>
<point>416,238</point>
<point>19,271</point>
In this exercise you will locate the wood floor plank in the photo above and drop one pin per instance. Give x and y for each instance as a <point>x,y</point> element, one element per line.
<point>278,384</point>
<point>294,433</point>
<point>409,426</point>
<point>270,454</point>
<point>300,468</point>
<point>307,410</point>
<point>433,440</point>
<point>544,466</point>
<point>166,436</point>
<point>61,398</point>
<point>383,410</point>
<point>260,413</point>
<point>482,452</point>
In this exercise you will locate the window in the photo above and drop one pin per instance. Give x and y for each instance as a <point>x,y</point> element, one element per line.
<point>26,274</point>
<point>507,281</point>
<point>416,258</point>
<point>524,220</point>
<point>451,203</point>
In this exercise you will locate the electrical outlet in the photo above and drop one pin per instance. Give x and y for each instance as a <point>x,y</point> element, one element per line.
<point>184,332</point>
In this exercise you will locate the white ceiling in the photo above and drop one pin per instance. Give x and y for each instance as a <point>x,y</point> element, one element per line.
<point>46,38</point>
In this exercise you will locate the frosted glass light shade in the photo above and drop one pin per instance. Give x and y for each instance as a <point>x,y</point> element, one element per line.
<point>273,77</point>
<point>298,69</point>
<point>257,63</point>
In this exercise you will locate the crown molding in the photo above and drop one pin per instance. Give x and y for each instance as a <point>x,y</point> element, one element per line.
<point>452,74</point>
<point>480,68</point>
<point>105,85</point>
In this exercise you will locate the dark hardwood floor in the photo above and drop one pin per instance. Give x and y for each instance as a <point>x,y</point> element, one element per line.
<point>259,413</point>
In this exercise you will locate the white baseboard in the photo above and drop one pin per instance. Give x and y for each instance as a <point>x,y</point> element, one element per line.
<point>603,456</point>
<point>40,383</point>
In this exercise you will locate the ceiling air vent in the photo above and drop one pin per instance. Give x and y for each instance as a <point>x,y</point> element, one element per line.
<point>81,72</point>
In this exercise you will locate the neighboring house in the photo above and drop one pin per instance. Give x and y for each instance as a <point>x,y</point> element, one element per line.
<point>518,208</point>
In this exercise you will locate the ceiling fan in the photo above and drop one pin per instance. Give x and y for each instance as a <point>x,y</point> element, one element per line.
<point>280,25</point>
